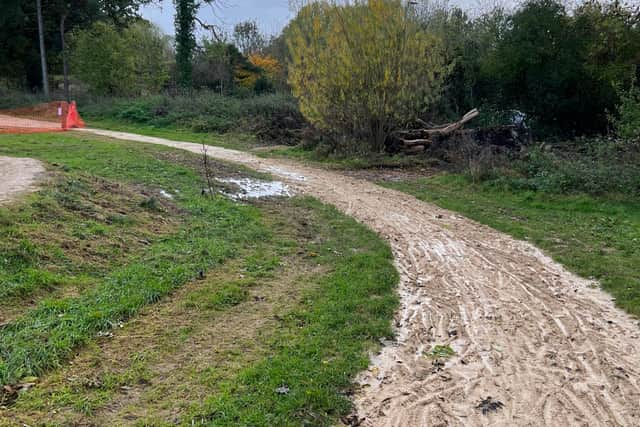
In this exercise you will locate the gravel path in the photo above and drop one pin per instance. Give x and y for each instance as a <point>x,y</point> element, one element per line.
<point>18,176</point>
<point>537,344</point>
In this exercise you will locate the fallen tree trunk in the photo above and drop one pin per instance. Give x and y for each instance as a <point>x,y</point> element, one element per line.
<point>435,139</point>
<point>413,141</point>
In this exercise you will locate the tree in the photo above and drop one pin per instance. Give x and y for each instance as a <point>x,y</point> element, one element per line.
<point>65,9</point>
<point>43,53</point>
<point>539,65</point>
<point>271,67</point>
<point>19,47</point>
<point>129,61</point>
<point>151,53</point>
<point>185,24</point>
<point>185,21</point>
<point>610,34</point>
<point>72,14</point>
<point>247,37</point>
<point>363,69</point>
<point>627,124</point>
<point>213,67</point>
<point>222,67</point>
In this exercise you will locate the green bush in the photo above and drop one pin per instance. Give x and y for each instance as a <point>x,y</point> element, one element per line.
<point>627,125</point>
<point>136,113</point>
<point>271,116</point>
<point>586,165</point>
<point>113,61</point>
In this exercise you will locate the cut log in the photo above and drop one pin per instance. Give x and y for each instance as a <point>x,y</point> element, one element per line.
<point>452,127</point>
<point>412,142</point>
<point>414,149</point>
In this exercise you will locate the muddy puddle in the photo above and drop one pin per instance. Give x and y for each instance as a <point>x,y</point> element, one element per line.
<point>249,188</point>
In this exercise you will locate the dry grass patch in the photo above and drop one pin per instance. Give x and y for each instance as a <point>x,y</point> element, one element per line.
<point>76,229</point>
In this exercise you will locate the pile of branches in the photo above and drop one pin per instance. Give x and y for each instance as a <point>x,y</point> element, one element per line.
<point>281,128</point>
<point>414,141</point>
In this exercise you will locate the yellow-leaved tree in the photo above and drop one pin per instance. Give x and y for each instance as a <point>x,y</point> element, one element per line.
<point>363,68</point>
<point>268,63</point>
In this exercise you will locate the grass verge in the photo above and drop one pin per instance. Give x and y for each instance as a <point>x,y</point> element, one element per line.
<point>309,374</point>
<point>594,237</point>
<point>319,342</point>
<point>234,140</point>
<point>46,335</point>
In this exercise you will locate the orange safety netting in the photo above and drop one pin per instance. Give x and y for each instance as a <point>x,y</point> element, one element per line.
<point>53,116</point>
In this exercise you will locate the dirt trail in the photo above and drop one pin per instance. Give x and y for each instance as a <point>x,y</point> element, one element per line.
<point>547,344</point>
<point>12,124</point>
<point>17,175</point>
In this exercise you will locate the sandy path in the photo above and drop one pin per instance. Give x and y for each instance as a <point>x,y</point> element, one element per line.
<point>12,124</point>
<point>18,175</point>
<point>549,345</point>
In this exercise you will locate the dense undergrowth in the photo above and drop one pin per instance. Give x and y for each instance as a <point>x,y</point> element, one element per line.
<point>596,165</point>
<point>200,111</point>
<point>271,117</point>
<point>337,320</point>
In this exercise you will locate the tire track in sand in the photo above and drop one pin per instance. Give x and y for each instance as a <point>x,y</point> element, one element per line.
<point>550,345</point>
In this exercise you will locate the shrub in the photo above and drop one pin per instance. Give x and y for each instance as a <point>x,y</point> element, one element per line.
<point>586,165</point>
<point>271,116</point>
<point>627,124</point>
<point>15,99</point>
<point>595,166</point>
<point>363,68</point>
<point>136,113</point>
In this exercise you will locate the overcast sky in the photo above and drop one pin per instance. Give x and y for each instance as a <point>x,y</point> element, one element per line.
<point>271,15</point>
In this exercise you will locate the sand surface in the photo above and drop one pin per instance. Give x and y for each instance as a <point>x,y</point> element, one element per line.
<point>18,176</point>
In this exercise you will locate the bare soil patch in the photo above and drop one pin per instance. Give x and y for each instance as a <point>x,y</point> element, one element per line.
<point>532,343</point>
<point>18,176</point>
<point>11,124</point>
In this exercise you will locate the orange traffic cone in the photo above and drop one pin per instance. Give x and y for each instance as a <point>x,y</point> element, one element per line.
<point>72,119</point>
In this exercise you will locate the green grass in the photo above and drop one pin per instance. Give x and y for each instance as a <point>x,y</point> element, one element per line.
<point>596,237</point>
<point>441,351</point>
<point>321,349</point>
<point>45,336</point>
<point>320,345</point>
<point>225,296</point>
<point>72,234</point>
<point>234,140</point>
<point>348,161</point>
